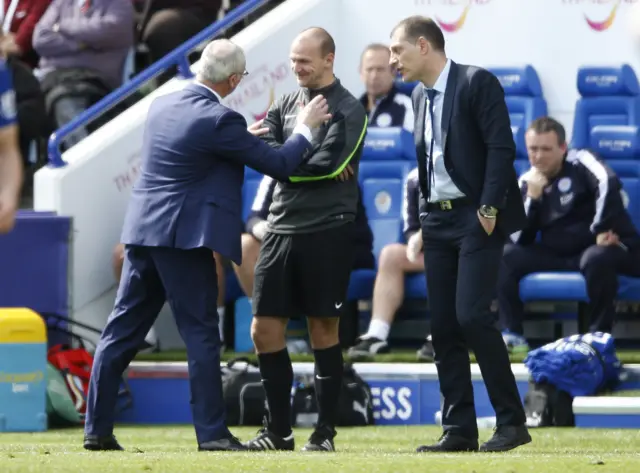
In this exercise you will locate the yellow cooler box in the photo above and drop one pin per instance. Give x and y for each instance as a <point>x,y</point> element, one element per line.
<point>23,367</point>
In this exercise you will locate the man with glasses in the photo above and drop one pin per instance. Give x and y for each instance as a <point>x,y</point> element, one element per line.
<point>185,205</point>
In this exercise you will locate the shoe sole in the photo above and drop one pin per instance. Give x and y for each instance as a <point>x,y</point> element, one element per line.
<point>464,450</point>
<point>505,448</point>
<point>97,448</point>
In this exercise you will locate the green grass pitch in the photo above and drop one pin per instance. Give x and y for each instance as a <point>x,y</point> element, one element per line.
<point>172,449</point>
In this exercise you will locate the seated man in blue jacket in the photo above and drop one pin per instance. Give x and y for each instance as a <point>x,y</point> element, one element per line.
<point>574,201</point>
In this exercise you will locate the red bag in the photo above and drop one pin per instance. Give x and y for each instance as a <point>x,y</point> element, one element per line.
<point>75,363</point>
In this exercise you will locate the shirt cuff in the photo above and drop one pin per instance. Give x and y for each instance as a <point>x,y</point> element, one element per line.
<point>303,130</point>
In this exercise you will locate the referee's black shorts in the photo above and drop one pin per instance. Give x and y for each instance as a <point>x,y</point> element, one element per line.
<point>305,274</point>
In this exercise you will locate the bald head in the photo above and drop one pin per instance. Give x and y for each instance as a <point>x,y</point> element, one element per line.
<point>220,60</point>
<point>319,36</point>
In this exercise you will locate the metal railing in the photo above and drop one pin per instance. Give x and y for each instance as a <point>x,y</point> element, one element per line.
<point>178,57</point>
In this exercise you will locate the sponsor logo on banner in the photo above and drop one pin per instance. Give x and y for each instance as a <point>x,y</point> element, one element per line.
<point>395,402</point>
<point>125,179</point>
<point>455,16</point>
<point>600,14</point>
<point>257,91</point>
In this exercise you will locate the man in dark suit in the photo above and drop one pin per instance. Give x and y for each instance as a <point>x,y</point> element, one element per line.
<point>470,204</point>
<point>186,204</point>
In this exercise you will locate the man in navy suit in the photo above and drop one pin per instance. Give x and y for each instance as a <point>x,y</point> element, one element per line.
<point>470,203</point>
<point>186,204</point>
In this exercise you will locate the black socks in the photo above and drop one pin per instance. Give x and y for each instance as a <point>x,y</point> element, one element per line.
<point>277,379</point>
<point>328,383</point>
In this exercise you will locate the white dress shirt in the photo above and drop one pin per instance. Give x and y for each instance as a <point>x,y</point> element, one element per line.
<point>443,188</point>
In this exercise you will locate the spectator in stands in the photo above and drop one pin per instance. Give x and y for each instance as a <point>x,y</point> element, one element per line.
<point>118,261</point>
<point>11,175</point>
<point>573,200</point>
<point>166,24</point>
<point>256,229</point>
<point>396,261</point>
<point>19,20</point>
<point>83,46</point>
<point>383,102</point>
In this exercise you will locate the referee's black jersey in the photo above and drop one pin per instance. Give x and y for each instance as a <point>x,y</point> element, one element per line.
<point>583,200</point>
<point>264,198</point>
<point>393,110</point>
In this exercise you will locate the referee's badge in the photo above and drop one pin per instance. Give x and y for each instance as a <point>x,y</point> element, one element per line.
<point>384,120</point>
<point>383,202</point>
<point>564,184</point>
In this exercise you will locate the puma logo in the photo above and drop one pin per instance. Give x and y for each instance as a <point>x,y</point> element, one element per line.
<point>362,409</point>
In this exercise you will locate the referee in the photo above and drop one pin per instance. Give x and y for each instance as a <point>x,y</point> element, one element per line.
<point>306,256</point>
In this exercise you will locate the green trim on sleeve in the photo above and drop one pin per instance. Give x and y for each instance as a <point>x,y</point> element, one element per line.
<point>342,166</point>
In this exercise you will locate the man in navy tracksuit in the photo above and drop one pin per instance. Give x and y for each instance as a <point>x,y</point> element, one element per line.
<point>384,103</point>
<point>574,201</point>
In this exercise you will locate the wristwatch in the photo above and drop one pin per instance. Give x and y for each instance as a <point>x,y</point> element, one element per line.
<point>488,211</point>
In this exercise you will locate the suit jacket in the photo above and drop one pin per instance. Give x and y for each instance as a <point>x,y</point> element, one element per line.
<point>477,143</point>
<point>189,190</point>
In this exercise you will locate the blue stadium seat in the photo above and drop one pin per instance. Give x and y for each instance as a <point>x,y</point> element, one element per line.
<point>609,96</point>
<point>252,180</point>
<point>415,286</point>
<point>524,99</point>
<point>614,142</point>
<point>382,185</point>
<point>388,144</point>
<point>553,286</point>
<point>619,147</point>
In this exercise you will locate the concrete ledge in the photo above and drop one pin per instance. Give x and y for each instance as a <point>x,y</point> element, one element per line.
<point>607,405</point>
<point>415,371</point>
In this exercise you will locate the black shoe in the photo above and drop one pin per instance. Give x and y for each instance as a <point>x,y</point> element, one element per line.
<point>267,440</point>
<point>98,443</point>
<point>450,442</point>
<point>426,353</point>
<point>506,437</point>
<point>228,444</point>
<point>321,440</point>
<point>367,348</point>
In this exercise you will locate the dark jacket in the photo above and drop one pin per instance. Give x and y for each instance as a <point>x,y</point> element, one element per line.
<point>312,199</point>
<point>477,141</point>
<point>583,200</point>
<point>264,198</point>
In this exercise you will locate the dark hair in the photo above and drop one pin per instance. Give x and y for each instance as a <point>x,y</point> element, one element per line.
<point>374,47</point>
<point>327,44</point>
<point>547,125</point>
<point>418,26</point>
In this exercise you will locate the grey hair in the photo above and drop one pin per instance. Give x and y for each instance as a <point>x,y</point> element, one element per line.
<point>220,60</point>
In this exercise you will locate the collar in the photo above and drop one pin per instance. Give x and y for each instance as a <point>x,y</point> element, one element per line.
<point>324,90</point>
<point>195,82</point>
<point>441,83</point>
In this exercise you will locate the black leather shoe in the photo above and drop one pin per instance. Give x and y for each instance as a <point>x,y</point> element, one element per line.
<point>450,442</point>
<point>98,443</point>
<point>229,444</point>
<point>506,437</point>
